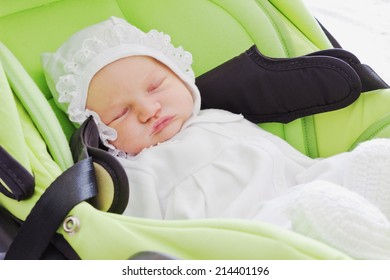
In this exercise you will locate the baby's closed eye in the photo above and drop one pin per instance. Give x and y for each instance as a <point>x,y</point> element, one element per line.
<point>155,85</point>
<point>119,115</point>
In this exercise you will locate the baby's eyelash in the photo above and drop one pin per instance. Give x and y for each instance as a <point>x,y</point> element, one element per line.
<point>151,88</point>
<point>118,116</point>
<point>155,85</point>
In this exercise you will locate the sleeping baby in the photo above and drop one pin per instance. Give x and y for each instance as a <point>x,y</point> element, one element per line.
<point>187,163</point>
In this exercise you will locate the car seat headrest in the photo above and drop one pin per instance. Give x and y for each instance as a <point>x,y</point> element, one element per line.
<point>113,185</point>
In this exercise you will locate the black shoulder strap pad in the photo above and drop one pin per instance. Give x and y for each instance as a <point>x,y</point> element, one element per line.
<point>267,89</point>
<point>85,142</point>
<point>369,79</point>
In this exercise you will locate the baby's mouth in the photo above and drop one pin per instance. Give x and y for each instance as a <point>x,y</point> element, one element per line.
<point>161,123</point>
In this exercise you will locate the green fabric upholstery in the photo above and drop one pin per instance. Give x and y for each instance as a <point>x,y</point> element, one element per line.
<point>213,31</point>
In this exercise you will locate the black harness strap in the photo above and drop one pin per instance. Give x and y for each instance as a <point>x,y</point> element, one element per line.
<point>19,183</point>
<point>330,37</point>
<point>75,185</point>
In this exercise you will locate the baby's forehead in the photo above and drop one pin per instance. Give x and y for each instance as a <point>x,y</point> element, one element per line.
<point>136,63</point>
<point>133,67</point>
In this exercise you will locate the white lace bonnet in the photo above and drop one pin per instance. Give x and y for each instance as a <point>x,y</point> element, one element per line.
<point>71,68</point>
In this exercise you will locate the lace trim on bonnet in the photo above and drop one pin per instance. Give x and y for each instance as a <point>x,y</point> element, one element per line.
<point>120,33</point>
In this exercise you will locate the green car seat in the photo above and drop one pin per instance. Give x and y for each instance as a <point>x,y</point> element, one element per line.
<point>35,133</point>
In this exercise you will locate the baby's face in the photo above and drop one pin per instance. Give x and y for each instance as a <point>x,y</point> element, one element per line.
<point>142,99</point>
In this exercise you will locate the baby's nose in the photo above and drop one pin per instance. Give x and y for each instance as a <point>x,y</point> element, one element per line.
<point>148,109</point>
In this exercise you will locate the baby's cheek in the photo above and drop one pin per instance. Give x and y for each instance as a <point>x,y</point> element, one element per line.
<point>131,146</point>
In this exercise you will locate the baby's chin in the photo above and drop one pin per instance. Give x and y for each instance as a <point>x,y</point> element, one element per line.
<point>133,151</point>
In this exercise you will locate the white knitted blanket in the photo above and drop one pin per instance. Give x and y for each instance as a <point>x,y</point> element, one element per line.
<point>355,217</point>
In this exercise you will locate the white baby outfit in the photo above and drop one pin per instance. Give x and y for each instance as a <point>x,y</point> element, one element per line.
<point>223,166</point>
